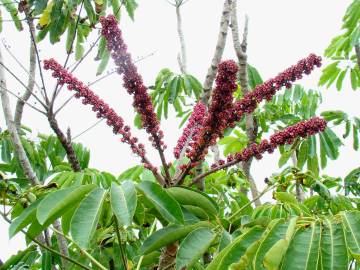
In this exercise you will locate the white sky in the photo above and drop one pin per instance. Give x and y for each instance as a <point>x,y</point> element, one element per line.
<point>280,33</point>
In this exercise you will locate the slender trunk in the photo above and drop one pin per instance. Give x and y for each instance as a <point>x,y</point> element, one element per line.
<point>31,80</point>
<point>62,244</point>
<point>300,196</point>
<point>251,127</point>
<point>219,49</point>
<point>18,148</point>
<point>182,57</point>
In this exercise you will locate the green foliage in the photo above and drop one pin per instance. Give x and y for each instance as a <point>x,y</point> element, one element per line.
<point>341,51</point>
<point>193,247</point>
<point>130,219</point>
<point>60,17</point>
<point>170,88</point>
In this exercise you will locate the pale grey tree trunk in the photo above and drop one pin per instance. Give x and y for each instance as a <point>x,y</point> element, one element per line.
<point>19,149</point>
<point>219,49</point>
<point>31,80</point>
<point>251,129</point>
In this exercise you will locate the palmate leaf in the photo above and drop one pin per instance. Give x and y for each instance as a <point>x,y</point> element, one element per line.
<point>168,235</point>
<point>193,247</point>
<point>304,251</point>
<point>274,256</point>
<point>57,203</point>
<point>233,252</point>
<point>25,218</point>
<point>333,253</point>
<point>167,206</point>
<point>86,217</point>
<point>256,252</point>
<point>123,202</point>
<point>351,227</point>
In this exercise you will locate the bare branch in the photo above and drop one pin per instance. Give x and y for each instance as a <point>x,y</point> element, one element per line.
<point>89,128</point>
<point>25,102</point>
<point>23,84</point>
<point>7,48</point>
<point>182,57</point>
<point>173,4</point>
<point>224,23</point>
<point>31,81</point>
<point>18,147</point>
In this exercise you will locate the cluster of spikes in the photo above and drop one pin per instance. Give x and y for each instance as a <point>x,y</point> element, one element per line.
<point>205,126</point>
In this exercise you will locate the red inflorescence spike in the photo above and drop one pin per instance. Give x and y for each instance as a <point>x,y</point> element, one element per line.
<point>132,79</point>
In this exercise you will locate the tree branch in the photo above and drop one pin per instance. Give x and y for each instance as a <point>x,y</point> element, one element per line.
<point>62,243</point>
<point>299,192</point>
<point>224,23</point>
<point>251,129</point>
<point>23,84</point>
<point>182,57</point>
<point>18,148</point>
<point>70,153</point>
<point>27,103</point>
<point>209,79</point>
<point>31,81</point>
<point>15,138</point>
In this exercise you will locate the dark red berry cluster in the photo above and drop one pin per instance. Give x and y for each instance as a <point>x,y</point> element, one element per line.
<point>132,79</point>
<point>220,111</point>
<point>192,128</point>
<point>102,109</point>
<point>268,89</point>
<point>287,136</point>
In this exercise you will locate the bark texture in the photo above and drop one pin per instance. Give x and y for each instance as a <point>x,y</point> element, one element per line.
<point>31,80</point>
<point>18,148</point>
<point>182,57</point>
<point>220,45</point>
<point>300,196</point>
<point>251,128</point>
<point>70,153</point>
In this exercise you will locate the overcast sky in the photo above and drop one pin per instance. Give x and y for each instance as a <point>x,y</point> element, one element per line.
<point>280,33</point>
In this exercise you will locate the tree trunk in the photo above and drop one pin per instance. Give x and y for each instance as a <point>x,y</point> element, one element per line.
<point>31,80</point>
<point>219,49</point>
<point>251,127</point>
